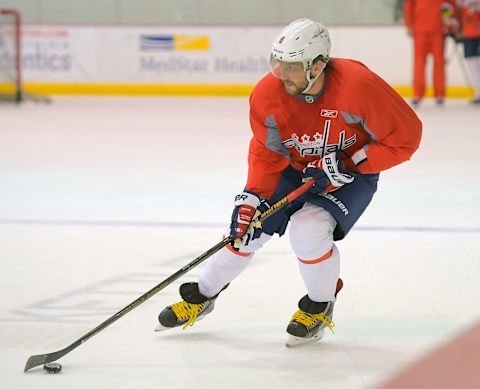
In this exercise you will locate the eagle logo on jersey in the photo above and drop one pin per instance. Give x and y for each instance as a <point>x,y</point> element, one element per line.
<point>306,146</point>
<point>309,99</point>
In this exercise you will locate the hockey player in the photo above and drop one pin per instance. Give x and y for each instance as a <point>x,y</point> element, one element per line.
<point>313,117</point>
<point>470,22</point>
<point>428,22</point>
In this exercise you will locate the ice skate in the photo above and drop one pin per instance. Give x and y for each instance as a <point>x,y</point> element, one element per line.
<point>475,101</point>
<point>194,306</point>
<point>309,322</point>
<point>307,327</point>
<point>416,102</point>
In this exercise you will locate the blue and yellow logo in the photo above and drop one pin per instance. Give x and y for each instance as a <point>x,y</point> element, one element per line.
<point>174,42</point>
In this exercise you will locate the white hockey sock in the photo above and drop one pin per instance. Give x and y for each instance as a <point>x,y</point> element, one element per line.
<point>321,277</point>
<point>220,270</point>
<point>473,64</point>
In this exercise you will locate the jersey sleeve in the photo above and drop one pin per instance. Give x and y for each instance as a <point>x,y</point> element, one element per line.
<point>393,127</point>
<point>266,156</point>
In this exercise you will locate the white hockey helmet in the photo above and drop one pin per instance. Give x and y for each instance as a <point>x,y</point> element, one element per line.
<point>303,40</point>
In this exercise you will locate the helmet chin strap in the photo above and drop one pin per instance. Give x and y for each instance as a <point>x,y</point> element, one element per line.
<point>311,80</point>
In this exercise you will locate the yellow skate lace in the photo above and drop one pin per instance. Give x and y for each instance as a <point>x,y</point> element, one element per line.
<point>310,319</point>
<point>184,310</point>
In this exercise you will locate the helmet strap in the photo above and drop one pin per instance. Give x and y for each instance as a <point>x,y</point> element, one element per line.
<point>310,80</point>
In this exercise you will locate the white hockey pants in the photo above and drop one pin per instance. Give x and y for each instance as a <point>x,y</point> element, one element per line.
<point>311,238</point>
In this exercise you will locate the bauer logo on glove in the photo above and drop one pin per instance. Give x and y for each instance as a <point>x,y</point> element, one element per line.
<point>329,174</point>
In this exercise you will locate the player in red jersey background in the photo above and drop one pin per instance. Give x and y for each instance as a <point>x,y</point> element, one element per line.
<point>428,22</point>
<point>470,32</point>
<point>313,117</point>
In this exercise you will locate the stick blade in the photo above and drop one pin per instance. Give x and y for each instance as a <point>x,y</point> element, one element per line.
<point>35,360</point>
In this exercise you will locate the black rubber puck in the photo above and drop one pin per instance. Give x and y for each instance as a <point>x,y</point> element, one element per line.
<point>52,367</point>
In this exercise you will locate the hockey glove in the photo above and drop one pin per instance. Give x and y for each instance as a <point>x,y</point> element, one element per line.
<point>329,174</point>
<point>244,226</point>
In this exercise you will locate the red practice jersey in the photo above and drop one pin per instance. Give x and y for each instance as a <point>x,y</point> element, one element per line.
<point>356,112</point>
<point>471,19</point>
<point>426,15</point>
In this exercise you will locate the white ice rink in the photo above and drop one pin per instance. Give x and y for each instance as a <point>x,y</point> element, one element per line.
<point>103,198</point>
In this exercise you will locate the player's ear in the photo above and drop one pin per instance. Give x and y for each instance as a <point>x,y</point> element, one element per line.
<point>317,67</point>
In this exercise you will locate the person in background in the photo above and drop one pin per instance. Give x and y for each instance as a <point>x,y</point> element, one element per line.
<point>470,32</point>
<point>428,22</point>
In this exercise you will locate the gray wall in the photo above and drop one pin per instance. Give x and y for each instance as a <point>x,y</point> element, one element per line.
<point>141,12</point>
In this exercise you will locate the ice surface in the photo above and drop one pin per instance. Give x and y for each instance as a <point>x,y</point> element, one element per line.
<point>103,198</point>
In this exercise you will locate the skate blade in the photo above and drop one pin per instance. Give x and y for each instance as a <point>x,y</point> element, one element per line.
<point>295,341</point>
<point>159,328</point>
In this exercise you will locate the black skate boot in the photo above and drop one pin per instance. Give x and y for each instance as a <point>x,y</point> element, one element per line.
<point>195,306</point>
<point>309,322</point>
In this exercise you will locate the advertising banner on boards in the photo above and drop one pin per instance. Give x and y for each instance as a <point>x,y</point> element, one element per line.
<point>170,55</point>
<point>194,56</point>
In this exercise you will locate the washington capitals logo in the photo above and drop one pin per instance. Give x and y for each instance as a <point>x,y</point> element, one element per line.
<point>317,144</point>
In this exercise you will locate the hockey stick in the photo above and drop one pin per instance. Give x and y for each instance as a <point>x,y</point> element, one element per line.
<point>37,360</point>
<point>453,52</point>
<point>461,60</point>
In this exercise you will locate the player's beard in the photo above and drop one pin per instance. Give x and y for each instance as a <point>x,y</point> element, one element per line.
<point>292,88</point>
